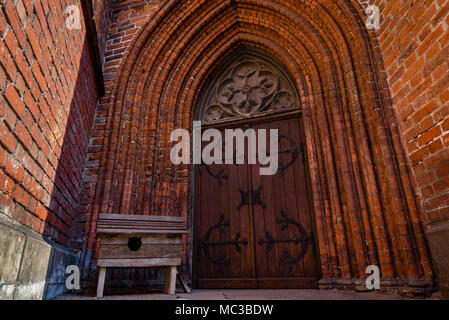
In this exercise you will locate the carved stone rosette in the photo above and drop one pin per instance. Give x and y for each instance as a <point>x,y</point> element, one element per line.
<point>247,87</point>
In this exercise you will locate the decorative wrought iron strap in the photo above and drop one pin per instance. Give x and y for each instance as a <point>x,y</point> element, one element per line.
<point>244,199</point>
<point>270,241</point>
<point>206,244</point>
<point>256,198</point>
<point>220,175</point>
<point>303,239</point>
<point>294,150</point>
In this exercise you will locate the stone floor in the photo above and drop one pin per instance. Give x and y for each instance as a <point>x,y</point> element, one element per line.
<point>252,295</point>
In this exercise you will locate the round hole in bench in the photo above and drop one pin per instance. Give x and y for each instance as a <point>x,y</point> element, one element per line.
<point>134,243</point>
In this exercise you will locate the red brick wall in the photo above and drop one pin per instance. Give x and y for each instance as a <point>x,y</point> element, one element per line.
<point>47,104</point>
<point>414,40</point>
<point>49,98</point>
<point>102,16</point>
<point>127,19</point>
<point>155,66</point>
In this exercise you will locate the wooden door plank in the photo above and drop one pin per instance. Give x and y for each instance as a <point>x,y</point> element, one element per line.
<point>259,214</point>
<point>279,193</point>
<point>291,196</point>
<point>301,214</point>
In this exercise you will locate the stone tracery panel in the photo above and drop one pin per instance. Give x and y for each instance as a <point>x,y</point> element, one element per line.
<point>247,87</point>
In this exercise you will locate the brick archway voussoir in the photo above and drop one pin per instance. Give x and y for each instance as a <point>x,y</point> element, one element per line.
<point>331,59</point>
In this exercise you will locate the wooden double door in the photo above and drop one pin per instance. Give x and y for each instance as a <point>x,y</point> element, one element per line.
<point>255,231</point>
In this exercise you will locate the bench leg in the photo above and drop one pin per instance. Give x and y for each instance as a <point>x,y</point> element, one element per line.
<point>100,285</point>
<point>170,280</point>
<point>184,285</point>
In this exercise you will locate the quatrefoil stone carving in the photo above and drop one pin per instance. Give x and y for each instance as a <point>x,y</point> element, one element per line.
<point>246,88</point>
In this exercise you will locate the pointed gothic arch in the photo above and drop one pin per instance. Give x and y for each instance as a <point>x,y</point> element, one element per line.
<point>267,88</point>
<point>271,216</point>
<point>363,198</point>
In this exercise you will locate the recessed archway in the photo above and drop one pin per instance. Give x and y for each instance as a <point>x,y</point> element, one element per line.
<point>253,229</point>
<point>363,200</point>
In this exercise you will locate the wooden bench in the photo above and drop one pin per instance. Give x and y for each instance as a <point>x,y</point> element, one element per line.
<point>136,241</point>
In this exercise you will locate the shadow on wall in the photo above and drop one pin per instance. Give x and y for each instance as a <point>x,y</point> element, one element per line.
<point>33,265</point>
<point>68,179</point>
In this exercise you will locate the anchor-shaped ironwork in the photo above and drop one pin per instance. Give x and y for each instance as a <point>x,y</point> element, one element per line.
<point>205,244</point>
<point>304,239</point>
<point>221,175</point>
<point>294,150</point>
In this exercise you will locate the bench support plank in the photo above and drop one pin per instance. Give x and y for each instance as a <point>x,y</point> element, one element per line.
<point>101,278</point>
<point>170,280</point>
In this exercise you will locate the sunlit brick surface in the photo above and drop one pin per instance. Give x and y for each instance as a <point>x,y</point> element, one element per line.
<point>375,117</point>
<point>47,105</point>
<point>414,43</point>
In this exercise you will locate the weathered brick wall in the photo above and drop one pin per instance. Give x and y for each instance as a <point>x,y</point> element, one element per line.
<point>414,40</point>
<point>102,16</point>
<point>127,19</point>
<point>48,97</point>
<point>155,65</point>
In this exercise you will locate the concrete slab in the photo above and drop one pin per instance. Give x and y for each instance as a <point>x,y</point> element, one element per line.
<point>249,295</point>
<point>31,267</point>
